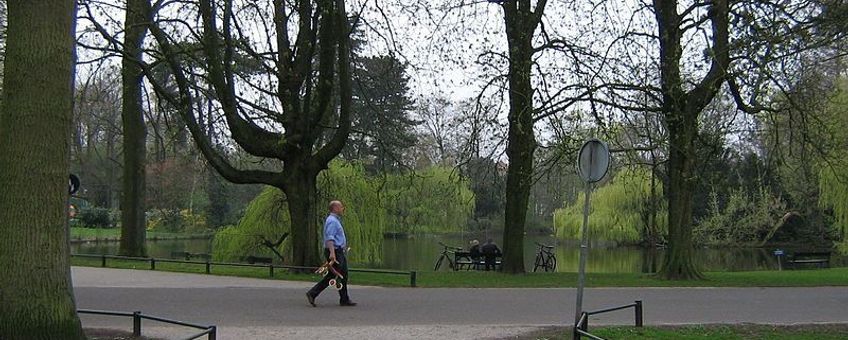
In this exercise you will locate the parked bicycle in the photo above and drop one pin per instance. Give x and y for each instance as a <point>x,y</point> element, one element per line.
<point>447,253</point>
<point>545,258</point>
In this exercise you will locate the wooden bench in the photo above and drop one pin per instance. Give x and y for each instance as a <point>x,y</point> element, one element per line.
<point>463,260</point>
<point>820,259</point>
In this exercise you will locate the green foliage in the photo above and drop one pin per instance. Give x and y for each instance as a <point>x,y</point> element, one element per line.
<point>266,216</point>
<point>833,174</point>
<point>94,217</point>
<point>834,196</point>
<point>435,200</point>
<point>746,219</point>
<point>365,219</point>
<point>173,220</point>
<point>619,209</point>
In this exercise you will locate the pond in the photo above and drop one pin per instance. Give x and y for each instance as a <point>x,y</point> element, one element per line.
<point>421,252</point>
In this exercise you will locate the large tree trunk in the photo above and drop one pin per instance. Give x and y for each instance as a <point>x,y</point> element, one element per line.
<point>302,197</point>
<point>521,141</point>
<point>681,110</point>
<point>133,226</point>
<point>36,294</point>
<point>679,257</point>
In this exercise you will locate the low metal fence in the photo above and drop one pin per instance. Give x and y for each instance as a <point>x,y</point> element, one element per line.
<point>211,332</point>
<point>413,275</point>
<point>582,326</point>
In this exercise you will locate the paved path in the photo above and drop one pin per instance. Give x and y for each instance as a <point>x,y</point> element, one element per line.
<point>265,309</point>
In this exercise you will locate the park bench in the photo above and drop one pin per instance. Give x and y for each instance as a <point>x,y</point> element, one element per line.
<point>463,260</point>
<point>796,259</point>
<point>820,259</point>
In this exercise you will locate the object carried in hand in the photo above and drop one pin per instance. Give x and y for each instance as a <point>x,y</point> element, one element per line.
<point>329,267</point>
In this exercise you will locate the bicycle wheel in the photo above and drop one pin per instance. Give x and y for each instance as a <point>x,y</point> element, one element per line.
<point>551,265</point>
<point>439,263</point>
<point>539,262</point>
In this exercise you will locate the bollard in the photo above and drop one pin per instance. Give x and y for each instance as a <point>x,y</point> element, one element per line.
<point>152,264</point>
<point>137,323</point>
<point>208,269</point>
<point>638,313</point>
<point>412,276</point>
<point>213,333</point>
<point>103,260</point>
<point>271,270</point>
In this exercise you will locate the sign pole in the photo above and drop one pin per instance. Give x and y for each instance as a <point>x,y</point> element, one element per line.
<point>584,253</point>
<point>592,165</point>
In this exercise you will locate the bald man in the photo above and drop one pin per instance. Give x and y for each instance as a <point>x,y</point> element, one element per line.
<point>335,244</point>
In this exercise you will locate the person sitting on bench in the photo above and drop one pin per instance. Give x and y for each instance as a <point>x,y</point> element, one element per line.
<point>490,252</point>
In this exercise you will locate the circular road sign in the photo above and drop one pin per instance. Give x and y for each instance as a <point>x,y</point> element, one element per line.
<point>593,161</point>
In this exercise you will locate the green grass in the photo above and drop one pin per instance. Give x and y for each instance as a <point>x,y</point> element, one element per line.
<point>80,233</point>
<point>469,279</point>
<point>711,332</point>
<point>789,278</point>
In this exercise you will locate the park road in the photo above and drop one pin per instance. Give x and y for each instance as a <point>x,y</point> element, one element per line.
<point>244,308</point>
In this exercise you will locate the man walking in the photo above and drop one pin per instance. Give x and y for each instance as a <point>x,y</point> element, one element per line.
<point>335,244</point>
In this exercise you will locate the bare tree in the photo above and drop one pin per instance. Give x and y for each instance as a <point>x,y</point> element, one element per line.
<point>282,113</point>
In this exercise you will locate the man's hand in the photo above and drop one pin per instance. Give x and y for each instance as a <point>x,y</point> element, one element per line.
<point>333,257</point>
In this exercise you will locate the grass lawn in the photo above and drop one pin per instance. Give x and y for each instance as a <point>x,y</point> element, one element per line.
<point>80,233</point>
<point>711,332</point>
<point>789,278</point>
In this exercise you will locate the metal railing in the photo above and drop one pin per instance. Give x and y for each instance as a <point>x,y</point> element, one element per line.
<point>211,332</point>
<point>413,275</point>
<point>582,326</point>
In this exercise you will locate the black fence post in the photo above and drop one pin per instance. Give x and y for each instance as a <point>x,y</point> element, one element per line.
<point>152,264</point>
<point>137,323</point>
<point>103,260</point>
<point>208,267</point>
<point>271,270</point>
<point>213,333</point>
<point>412,278</point>
<point>638,313</point>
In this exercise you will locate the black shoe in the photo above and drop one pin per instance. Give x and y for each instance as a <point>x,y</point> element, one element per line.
<point>348,304</point>
<point>311,299</point>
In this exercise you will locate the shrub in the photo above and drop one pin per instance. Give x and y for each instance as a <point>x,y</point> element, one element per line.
<point>94,217</point>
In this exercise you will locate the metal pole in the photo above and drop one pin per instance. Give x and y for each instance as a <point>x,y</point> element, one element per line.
<point>638,313</point>
<point>137,323</point>
<point>584,252</point>
<point>412,277</point>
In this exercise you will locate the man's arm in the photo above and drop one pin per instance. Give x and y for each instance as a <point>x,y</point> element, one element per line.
<point>331,245</point>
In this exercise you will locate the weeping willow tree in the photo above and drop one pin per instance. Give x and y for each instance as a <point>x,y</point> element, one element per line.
<point>833,170</point>
<point>619,211</point>
<point>267,217</point>
<point>365,219</point>
<point>435,200</point>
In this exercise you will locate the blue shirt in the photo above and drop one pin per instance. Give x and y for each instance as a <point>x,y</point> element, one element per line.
<point>333,231</point>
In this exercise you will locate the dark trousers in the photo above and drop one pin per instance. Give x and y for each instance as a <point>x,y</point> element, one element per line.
<point>341,266</point>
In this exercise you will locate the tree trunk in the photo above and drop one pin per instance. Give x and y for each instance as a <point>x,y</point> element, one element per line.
<point>679,257</point>
<point>36,294</point>
<point>302,197</point>
<point>521,141</point>
<point>133,226</point>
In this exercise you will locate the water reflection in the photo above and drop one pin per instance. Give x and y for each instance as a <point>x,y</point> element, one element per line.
<point>421,252</point>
